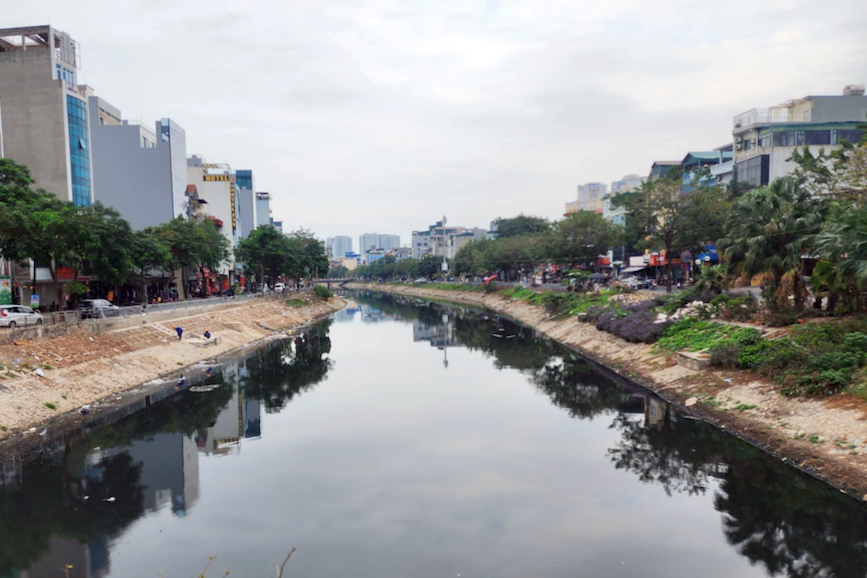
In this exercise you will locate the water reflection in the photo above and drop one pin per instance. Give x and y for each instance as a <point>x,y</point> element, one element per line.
<point>68,505</point>
<point>772,514</point>
<point>72,505</point>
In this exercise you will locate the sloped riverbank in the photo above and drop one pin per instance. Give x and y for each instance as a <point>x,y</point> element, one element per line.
<point>84,369</point>
<point>824,437</point>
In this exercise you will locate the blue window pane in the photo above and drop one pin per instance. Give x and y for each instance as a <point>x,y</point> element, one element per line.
<point>78,146</point>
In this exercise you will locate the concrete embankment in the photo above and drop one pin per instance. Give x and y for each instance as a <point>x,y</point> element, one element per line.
<point>826,438</point>
<point>83,368</point>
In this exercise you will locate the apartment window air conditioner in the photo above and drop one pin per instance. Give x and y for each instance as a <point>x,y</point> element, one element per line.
<point>739,145</point>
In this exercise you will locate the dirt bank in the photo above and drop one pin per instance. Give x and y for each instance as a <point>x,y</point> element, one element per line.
<point>83,369</point>
<point>824,437</point>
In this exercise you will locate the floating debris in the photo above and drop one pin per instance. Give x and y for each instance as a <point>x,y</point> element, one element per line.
<point>205,388</point>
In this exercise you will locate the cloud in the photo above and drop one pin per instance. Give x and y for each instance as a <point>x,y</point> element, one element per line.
<point>383,115</point>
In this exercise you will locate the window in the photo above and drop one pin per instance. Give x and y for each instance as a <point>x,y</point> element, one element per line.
<point>79,158</point>
<point>784,138</point>
<point>852,136</point>
<point>818,137</point>
<point>753,172</point>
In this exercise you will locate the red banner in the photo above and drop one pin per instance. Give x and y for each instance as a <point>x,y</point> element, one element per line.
<point>65,273</point>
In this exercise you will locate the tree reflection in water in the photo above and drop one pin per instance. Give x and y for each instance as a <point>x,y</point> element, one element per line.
<point>772,514</point>
<point>289,367</point>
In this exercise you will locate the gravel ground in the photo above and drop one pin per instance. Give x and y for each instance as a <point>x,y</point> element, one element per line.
<point>83,369</point>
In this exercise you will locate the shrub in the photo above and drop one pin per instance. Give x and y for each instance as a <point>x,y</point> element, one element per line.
<point>323,292</point>
<point>634,323</point>
<point>674,301</point>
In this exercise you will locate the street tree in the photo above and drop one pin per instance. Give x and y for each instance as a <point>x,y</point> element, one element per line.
<point>520,226</point>
<point>267,251</point>
<point>580,238</point>
<point>148,252</point>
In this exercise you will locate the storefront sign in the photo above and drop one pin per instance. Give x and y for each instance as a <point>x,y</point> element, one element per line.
<point>216,178</point>
<point>234,212</point>
<point>65,274</point>
<point>5,291</point>
<point>34,301</point>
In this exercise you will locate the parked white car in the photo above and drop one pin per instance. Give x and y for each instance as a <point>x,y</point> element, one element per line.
<point>279,287</point>
<point>12,316</point>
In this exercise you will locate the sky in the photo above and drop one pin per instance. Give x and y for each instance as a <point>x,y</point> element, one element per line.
<point>384,115</point>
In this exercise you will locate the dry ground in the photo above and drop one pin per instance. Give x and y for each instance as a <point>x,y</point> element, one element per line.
<point>82,369</point>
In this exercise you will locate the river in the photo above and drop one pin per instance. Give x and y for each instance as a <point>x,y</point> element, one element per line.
<point>406,438</point>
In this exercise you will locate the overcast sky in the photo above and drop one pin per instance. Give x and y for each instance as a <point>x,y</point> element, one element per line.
<point>381,116</point>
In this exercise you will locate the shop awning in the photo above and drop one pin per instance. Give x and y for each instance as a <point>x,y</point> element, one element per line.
<point>633,269</point>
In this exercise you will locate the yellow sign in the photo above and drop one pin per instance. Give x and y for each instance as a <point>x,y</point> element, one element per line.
<point>217,178</point>
<point>234,212</point>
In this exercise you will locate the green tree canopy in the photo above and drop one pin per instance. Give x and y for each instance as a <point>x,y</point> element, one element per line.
<point>520,226</point>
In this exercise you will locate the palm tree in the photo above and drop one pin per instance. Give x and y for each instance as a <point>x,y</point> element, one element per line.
<point>842,244</point>
<point>767,234</point>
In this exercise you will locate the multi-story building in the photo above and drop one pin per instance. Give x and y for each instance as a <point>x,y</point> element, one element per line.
<point>277,225</point>
<point>370,241</point>
<point>442,241</point>
<point>339,246</point>
<point>263,209</point>
<point>43,112</point>
<point>215,184</point>
<point>695,162</point>
<point>591,196</point>
<point>246,202</point>
<point>661,168</point>
<point>764,138</point>
<point>139,171</point>
<point>627,184</point>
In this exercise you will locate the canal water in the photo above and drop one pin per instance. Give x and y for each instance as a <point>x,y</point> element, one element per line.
<point>405,438</point>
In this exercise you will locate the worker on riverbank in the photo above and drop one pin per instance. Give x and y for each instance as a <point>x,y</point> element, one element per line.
<point>180,331</point>
<point>207,333</point>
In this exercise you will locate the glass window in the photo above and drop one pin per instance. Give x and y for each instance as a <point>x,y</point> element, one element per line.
<point>818,137</point>
<point>852,136</point>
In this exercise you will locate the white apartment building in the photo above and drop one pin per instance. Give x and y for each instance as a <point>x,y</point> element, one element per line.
<point>764,138</point>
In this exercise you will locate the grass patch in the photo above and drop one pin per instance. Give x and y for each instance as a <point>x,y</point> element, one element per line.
<point>693,334</point>
<point>814,439</point>
<point>3,428</point>
<point>295,303</point>
<point>50,405</point>
<point>47,366</point>
<point>742,407</point>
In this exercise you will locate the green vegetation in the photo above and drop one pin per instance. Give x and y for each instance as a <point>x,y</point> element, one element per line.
<point>50,405</point>
<point>267,251</point>
<point>323,292</point>
<point>692,334</point>
<point>814,358</point>
<point>295,303</point>
<point>96,240</point>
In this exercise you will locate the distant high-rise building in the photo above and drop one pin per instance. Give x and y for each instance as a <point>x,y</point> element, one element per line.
<point>370,241</point>
<point>590,197</point>
<point>626,184</point>
<point>263,209</point>
<point>44,112</point>
<point>340,246</point>
<point>140,172</point>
